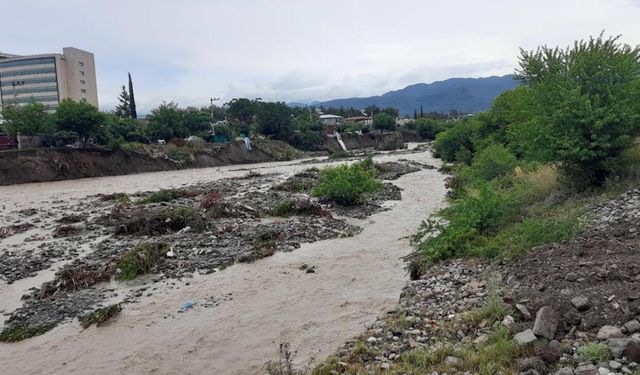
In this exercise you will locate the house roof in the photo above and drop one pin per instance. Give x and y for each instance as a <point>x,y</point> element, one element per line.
<point>322,117</point>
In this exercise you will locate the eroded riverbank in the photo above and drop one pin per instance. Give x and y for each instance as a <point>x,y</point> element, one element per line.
<point>240,311</point>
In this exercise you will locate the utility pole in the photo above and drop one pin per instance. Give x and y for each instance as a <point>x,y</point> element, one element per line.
<point>213,128</point>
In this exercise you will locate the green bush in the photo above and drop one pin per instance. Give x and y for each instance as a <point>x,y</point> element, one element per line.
<point>346,184</point>
<point>580,107</point>
<point>429,128</point>
<point>493,161</point>
<point>456,142</point>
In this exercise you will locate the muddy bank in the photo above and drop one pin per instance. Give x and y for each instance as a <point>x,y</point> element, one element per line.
<point>238,311</point>
<point>40,165</point>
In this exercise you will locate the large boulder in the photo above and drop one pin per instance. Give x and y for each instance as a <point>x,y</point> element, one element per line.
<point>546,323</point>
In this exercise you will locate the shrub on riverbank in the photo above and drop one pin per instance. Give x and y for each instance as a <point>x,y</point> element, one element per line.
<point>346,184</point>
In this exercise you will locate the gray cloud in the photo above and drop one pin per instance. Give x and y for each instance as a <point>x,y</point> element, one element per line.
<point>191,50</point>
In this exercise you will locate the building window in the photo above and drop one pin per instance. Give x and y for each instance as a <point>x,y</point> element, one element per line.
<point>82,82</point>
<point>80,63</point>
<point>81,72</point>
<point>83,91</point>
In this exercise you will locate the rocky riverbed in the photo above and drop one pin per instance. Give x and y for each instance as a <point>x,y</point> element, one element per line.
<point>568,308</point>
<point>66,264</point>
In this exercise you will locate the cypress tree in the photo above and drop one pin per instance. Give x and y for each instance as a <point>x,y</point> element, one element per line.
<point>132,100</point>
<point>124,108</point>
<point>421,113</point>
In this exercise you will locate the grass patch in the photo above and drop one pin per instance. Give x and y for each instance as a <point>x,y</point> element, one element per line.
<point>21,332</point>
<point>503,216</point>
<point>498,355</point>
<point>100,316</point>
<point>347,184</point>
<point>140,260</point>
<point>340,154</point>
<point>594,353</point>
<point>159,196</point>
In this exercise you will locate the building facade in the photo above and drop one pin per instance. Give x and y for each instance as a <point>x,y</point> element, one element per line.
<point>48,79</point>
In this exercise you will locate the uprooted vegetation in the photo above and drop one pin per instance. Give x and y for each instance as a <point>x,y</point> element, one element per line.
<point>21,332</point>
<point>161,222</point>
<point>140,260</point>
<point>297,207</point>
<point>100,316</point>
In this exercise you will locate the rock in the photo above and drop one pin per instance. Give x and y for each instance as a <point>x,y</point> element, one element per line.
<point>522,309</point>
<point>546,323</point>
<point>372,340</point>
<point>587,369</point>
<point>571,276</point>
<point>452,361</point>
<point>604,371</point>
<point>385,366</point>
<point>617,345</point>
<point>632,326</point>
<point>549,355</point>
<point>614,365</point>
<point>581,303</point>
<point>565,371</point>
<point>609,332</point>
<point>524,337</point>
<point>632,351</point>
<point>508,321</point>
<point>531,363</point>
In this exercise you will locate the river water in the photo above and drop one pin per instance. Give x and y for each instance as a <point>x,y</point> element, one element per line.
<point>264,302</point>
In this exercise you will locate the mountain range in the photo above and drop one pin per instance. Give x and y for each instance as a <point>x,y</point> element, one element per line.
<point>468,95</point>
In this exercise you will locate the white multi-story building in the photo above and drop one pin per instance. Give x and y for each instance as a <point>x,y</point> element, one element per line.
<point>48,79</point>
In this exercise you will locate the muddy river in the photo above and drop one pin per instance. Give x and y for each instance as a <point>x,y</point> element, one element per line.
<point>260,303</point>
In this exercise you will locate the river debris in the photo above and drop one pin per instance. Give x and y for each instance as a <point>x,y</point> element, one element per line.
<point>168,235</point>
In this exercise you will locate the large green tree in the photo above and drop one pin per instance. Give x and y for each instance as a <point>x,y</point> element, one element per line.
<point>275,119</point>
<point>579,107</point>
<point>29,119</point>
<point>384,121</point>
<point>79,117</point>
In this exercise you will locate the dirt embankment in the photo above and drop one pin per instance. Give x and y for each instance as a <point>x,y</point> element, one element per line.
<point>41,165</point>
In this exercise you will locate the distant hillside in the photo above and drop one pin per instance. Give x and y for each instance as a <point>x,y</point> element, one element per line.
<point>463,94</point>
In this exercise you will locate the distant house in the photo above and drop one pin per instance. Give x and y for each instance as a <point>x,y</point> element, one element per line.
<point>364,120</point>
<point>330,123</point>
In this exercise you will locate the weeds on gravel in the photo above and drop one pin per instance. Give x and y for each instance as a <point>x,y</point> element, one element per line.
<point>140,260</point>
<point>100,316</point>
<point>21,332</point>
<point>210,199</point>
<point>159,196</point>
<point>504,216</point>
<point>594,353</point>
<point>163,221</point>
<point>284,364</point>
<point>291,207</point>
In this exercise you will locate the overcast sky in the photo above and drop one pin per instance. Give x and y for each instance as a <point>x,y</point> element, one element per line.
<point>299,50</point>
